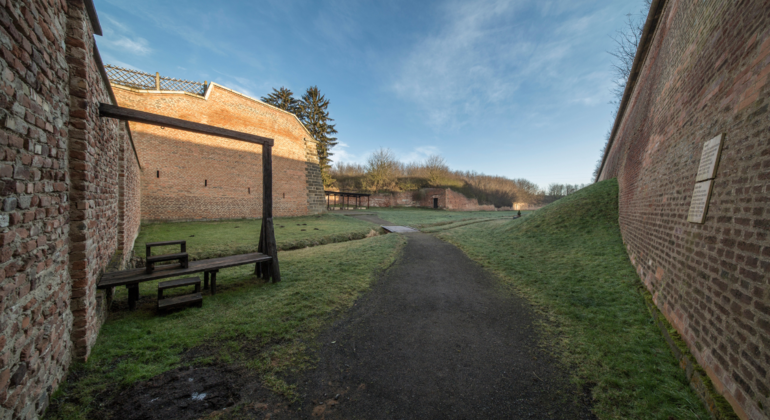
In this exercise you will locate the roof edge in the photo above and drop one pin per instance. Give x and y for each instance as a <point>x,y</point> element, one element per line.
<point>93,17</point>
<point>650,26</point>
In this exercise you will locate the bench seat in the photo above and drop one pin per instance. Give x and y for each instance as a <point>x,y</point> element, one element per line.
<point>180,301</point>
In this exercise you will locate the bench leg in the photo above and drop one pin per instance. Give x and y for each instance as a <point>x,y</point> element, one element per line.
<point>160,294</point>
<point>205,280</point>
<point>133,295</point>
<point>197,287</point>
<point>213,282</point>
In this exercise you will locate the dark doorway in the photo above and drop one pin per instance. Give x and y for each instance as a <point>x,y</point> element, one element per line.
<point>435,203</point>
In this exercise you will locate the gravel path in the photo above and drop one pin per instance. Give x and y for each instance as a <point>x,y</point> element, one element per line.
<point>436,339</point>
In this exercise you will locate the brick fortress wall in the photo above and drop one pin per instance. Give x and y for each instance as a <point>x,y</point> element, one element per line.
<point>59,184</point>
<point>706,73</point>
<point>190,176</point>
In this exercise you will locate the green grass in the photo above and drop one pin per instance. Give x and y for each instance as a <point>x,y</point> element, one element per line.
<point>421,217</point>
<point>264,327</point>
<point>569,260</point>
<point>215,239</point>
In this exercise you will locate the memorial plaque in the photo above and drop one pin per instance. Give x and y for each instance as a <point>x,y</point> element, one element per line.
<point>709,159</point>
<point>700,202</point>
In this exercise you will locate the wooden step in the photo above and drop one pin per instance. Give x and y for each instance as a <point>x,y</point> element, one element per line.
<point>181,301</point>
<point>189,281</point>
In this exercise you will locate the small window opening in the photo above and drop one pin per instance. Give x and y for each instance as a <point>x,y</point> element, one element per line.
<point>284,195</point>
<point>205,182</point>
<point>157,174</point>
<point>249,190</point>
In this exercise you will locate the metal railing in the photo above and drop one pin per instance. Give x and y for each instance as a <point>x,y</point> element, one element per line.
<point>141,80</point>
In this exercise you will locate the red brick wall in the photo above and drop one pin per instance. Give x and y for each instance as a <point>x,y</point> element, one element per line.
<point>193,176</point>
<point>59,186</point>
<point>706,73</point>
<point>35,321</point>
<point>129,200</point>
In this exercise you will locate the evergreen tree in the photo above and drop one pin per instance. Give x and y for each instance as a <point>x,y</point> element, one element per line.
<point>315,116</point>
<point>283,98</point>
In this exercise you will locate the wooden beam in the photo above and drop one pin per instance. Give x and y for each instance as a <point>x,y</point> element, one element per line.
<point>126,114</point>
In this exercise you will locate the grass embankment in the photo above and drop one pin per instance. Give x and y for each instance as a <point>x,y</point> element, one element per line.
<point>569,260</point>
<point>421,217</point>
<point>263,327</point>
<point>215,239</point>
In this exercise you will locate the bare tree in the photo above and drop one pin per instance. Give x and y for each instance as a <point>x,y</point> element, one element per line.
<point>436,168</point>
<point>381,169</point>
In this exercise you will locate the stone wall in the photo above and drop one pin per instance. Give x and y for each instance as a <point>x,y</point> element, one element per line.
<point>35,320</point>
<point>191,176</point>
<point>129,200</point>
<point>705,73</point>
<point>60,194</point>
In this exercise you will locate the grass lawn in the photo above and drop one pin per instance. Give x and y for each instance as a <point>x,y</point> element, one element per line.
<point>264,327</point>
<point>421,217</point>
<point>215,239</point>
<point>569,260</point>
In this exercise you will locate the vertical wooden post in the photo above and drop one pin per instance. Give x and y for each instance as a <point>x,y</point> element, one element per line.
<point>157,80</point>
<point>271,248</point>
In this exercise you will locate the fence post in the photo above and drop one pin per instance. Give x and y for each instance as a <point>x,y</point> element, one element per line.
<point>157,80</point>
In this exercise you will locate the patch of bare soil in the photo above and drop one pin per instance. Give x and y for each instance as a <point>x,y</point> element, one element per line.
<point>193,393</point>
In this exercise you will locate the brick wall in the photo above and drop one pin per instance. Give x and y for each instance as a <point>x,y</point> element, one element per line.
<point>35,321</point>
<point>190,176</point>
<point>706,73</point>
<point>447,199</point>
<point>130,199</point>
<point>59,186</point>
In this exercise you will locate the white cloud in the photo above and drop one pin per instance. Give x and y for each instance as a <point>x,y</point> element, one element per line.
<point>485,53</point>
<point>118,36</point>
<point>418,154</point>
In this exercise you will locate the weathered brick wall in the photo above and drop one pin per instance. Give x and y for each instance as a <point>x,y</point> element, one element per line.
<point>94,152</point>
<point>35,321</point>
<point>447,199</point>
<point>130,199</point>
<point>59,186</point>
<point>706,73</point>
<point>190,176</point>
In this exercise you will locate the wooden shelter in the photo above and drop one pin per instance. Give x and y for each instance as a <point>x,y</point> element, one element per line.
<point>343,199</point>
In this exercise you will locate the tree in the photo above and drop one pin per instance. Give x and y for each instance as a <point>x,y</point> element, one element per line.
<point>314,114</point>
<point>381,169</point>
<point>282,98</point>
<point>437,169</point>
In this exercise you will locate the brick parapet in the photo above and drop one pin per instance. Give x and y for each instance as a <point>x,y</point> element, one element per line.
<point>189,176</point>
<point>706,73</point>
<point>35,320</point>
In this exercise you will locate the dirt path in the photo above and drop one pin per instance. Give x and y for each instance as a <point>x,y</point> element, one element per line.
<point>435,339</point>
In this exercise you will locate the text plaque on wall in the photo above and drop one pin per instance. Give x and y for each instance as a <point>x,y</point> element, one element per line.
<point>709,159</point>
<point>700,201</point>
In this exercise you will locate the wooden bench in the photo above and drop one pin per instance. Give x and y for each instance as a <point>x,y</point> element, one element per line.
<point>180,256</point>
<point>209,268</point>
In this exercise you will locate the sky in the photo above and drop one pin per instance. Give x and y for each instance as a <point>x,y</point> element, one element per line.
<point>520,89</point>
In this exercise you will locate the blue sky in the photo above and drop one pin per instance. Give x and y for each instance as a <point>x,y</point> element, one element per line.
<point>513,88</point>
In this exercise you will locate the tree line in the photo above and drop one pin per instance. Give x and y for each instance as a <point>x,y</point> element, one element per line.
<point>384,173</point>
<point>312,110</point>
